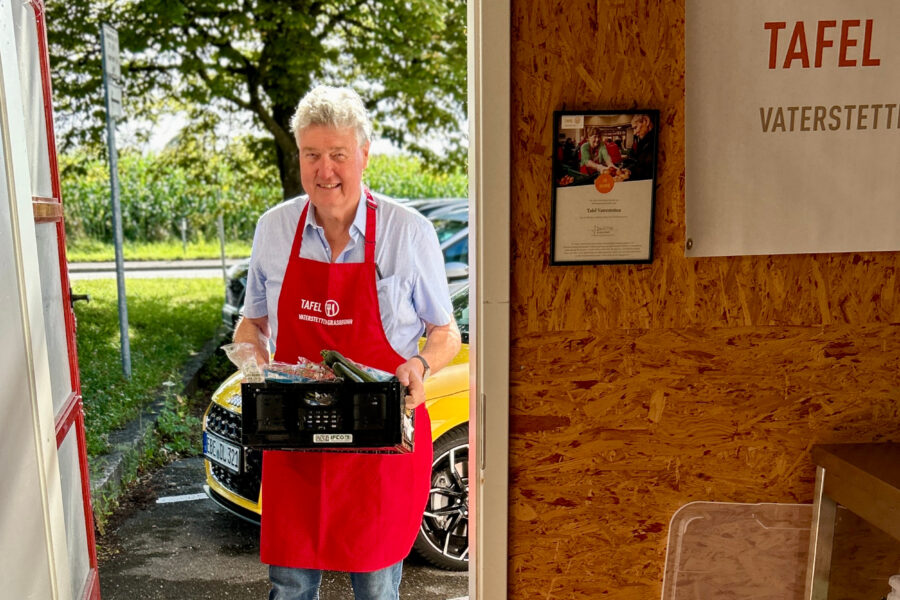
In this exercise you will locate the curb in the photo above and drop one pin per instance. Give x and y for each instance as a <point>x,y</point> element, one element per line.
<point>128,443</point>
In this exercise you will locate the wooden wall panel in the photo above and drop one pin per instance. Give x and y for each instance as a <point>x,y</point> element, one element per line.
<point>637,389</point>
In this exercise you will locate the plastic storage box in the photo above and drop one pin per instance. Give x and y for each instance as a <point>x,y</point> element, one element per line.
<point>328,416</point>
<point>737,551</point>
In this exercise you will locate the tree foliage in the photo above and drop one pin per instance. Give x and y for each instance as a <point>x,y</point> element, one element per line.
<point>257,58</point>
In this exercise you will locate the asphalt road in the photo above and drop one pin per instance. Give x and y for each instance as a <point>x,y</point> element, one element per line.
<point>170,542</point>
<point>150,269</point>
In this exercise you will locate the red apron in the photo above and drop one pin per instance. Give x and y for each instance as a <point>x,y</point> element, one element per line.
<point>340,511</point>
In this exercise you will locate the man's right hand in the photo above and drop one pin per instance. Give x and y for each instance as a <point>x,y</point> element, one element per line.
<point>256,332</point>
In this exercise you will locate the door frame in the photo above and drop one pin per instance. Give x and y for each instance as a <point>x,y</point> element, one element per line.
<point>489,197</point>
<point>25,71</point>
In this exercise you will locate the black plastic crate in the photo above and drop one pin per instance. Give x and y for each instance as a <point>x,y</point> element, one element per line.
<point>330,416</point>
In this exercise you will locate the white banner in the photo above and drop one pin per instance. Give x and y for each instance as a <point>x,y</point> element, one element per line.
<point>792,126</point>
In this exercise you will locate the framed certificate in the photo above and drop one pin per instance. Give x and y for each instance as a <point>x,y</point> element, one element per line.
<point>604,185</point>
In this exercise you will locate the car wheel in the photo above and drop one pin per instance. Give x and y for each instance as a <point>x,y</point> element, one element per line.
<point>443,538</point>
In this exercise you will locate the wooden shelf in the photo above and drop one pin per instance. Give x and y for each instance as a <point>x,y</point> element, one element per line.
<point>865,479</point>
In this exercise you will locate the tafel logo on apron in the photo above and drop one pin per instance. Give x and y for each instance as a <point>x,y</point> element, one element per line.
<point>332,308</point>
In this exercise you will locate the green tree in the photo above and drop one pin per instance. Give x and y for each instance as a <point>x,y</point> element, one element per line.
<point>257,58</point>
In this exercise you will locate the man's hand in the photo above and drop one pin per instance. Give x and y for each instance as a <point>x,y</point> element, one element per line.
<point>256,332</point>
<point>442,342</point>
<point>410,374</point>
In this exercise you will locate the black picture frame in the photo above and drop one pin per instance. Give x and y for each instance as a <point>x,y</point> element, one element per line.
<point>603,209</point>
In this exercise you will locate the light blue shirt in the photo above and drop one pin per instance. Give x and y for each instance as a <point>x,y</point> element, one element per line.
<point>412,289</point>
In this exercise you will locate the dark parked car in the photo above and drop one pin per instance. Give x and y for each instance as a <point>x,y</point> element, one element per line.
<point>236,285</point>
<point>452,229</point>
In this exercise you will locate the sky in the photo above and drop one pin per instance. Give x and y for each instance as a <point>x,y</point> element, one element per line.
<point>168,127</point>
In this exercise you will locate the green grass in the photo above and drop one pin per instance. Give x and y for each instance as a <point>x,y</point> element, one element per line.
<point>89,250</point>
<point>170,320</point>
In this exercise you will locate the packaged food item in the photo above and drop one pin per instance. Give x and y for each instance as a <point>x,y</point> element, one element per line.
<point>376,373</point>
<point>334,367</point>
<point>243,356</point>
<point>304,371</point>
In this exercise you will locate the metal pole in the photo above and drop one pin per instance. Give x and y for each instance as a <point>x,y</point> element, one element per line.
<point>220,225</point>
<point>117,219</point>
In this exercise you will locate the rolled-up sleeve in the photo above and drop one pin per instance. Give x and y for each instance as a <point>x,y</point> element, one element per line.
<point>255,295</point>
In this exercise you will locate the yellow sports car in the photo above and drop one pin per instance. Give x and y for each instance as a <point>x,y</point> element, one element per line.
<point>233,471</point>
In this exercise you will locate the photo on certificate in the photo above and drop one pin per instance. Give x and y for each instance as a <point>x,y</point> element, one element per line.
<point>604,182</point>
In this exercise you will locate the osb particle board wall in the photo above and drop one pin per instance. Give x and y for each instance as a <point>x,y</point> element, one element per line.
<point>638,389</point>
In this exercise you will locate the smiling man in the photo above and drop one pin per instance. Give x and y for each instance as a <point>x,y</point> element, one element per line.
<point>340,269</point>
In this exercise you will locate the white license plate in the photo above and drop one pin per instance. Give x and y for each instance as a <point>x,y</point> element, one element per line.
<point>222,452</point>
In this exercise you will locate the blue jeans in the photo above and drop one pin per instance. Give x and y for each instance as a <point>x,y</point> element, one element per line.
<point>289,583</point>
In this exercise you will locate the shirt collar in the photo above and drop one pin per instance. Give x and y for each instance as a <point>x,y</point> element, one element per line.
<point>357,228</point>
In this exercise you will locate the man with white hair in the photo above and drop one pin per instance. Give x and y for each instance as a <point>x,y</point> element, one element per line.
<point>377,268</point>
<point>642,156</point>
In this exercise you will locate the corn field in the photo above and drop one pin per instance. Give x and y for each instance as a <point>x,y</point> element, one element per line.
<point>157,193</point>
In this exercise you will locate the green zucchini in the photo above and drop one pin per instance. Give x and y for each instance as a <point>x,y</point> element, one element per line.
<point>344,373</point>
<point>337,361</point>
